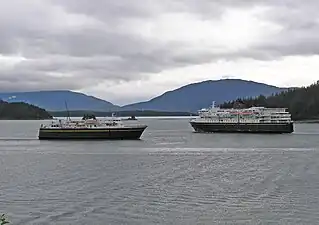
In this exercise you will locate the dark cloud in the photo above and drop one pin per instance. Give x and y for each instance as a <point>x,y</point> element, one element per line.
<point>109,11</point>
<point>299,33</point>
<point>73,44</point>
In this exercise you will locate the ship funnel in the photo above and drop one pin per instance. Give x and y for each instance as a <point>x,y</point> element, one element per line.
<point>213,104</point>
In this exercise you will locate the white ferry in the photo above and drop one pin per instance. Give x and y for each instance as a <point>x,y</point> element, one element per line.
<point>248,120</point>
<point>91,128</point>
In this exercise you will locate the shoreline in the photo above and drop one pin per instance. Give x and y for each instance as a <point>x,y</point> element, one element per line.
<point>303,121</point>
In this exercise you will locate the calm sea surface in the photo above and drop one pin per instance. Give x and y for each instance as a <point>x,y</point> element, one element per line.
<point>171,176</point>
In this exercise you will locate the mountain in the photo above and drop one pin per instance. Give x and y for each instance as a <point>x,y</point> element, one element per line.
<point>55,100</point>
<point>120,113</point>
<point>302,103</point>
<point>22,111</point>
<point>189,98</point>
<point>199,95</point>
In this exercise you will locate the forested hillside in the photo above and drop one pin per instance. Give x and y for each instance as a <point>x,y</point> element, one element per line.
<point>22,111</point>
<point>303,103</point>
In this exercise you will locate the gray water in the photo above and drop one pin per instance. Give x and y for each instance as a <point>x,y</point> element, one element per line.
<point>171,176</point>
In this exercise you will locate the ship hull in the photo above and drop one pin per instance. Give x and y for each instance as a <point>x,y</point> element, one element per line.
<point>85,133</point>
<point>274,128</point>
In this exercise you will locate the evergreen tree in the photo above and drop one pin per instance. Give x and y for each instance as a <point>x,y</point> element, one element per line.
<point>302,103</point>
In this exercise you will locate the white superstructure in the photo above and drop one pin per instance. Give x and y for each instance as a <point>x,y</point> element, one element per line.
<point>91,124</point>
<point>248,115</point>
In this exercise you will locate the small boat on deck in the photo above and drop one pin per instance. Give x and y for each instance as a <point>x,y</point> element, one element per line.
<point>131,118</point>
<point>91,128</point>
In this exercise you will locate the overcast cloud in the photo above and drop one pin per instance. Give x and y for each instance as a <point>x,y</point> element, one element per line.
<point>126,51</point>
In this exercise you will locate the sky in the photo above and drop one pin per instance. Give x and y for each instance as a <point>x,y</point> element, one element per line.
<point>126,51</point>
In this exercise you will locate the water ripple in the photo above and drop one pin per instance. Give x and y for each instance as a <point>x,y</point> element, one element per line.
<point>168,178</point>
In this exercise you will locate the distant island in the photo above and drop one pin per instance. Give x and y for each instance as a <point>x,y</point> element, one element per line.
<point>189,98</point>
<point>302,103</point>
<point>146,113</point>
<point>22,111</point>
<point>195,96</point>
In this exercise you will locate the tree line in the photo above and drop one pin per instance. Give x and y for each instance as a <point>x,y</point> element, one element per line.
<point>302,103</point>
<point>22,111</point>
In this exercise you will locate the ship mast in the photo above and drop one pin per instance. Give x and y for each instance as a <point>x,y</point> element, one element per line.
<point>68,115</point>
